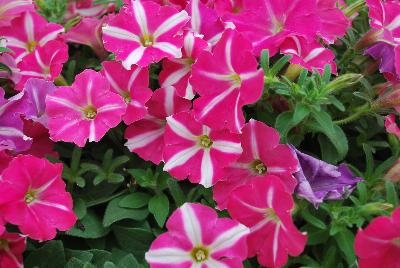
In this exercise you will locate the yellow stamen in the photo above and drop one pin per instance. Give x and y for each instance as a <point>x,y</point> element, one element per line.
<point>199,254</point>
<point>205,141</point>
<point>90,112</point>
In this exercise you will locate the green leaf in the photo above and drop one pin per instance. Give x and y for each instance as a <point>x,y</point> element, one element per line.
<point>116,213</point>
<point>176,192</point>
<point>345,241</point>
<point>265,60</point>
<point>80,208</point>
<point>5,49</point>
<point>5,68</point>
<point>50,255</point>
<point>135,200</point>
<point>134,240</point>
<point>128,261</point>
<point>391,193</point>
<point>144,178</point>
<point>313,220</point>
<point>159,207</point>
<point>89,227</point>
<point>279,65</point>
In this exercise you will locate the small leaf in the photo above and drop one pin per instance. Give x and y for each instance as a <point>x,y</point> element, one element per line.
<point>135,200</point>
<point>313,220</point>
<point>89,227</point>
<point>391,193</point>
<point>159,207</point>
<point>345,241</point>
<point>116,213</point>
<point>50,255</point>
<point>80,208</point>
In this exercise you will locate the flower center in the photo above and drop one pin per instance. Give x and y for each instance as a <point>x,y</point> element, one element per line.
<point>147,40</point>
<point>127,97</point>
<point>271,215</point>
<point>205,141</point>
<point>3,244</point>
<point>236,79</point>
<point>278,27</point>
<point>258,167</point>
<point>31,46</point>
<point>30,196</point>
<point>90,112</point>
<point>396,241</point>
<point>199,254</point>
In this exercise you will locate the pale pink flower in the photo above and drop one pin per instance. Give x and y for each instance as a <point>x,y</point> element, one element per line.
<point>84,111</point>
<point>45,62</point>
<point>204,21</point>
<point>196,152</point>
<point>196,237</point>
<point>308,54</point>
<point>144,32</point>
<point>265,207</point>
<point>176,72</point>
<point>12,245</point>
<point>9,9</point>
<point>88,32</point>
<point>28,31</point>
<point>146,137</point>
<point>266,23</point>
<point>226,79</point>
<point>33,197</point>
<point>132,85</point>
<point>262,156</point>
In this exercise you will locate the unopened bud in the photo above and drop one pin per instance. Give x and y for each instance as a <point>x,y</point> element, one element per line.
<point>343,81</point>
<point>375,208</point>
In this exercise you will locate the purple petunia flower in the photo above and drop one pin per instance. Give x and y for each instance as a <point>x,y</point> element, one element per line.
<point>385,53</point>
<point>319,181</point>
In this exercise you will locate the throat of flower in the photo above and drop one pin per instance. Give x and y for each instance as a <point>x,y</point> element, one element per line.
<point>396,241</point>
<point>271,215</point>
<point>30,46</point>
<point>205,141</point>
<point>90,112</point>
<point>277,27</point>
<point>236,80</point>
<point>30,196</point>
<point>147,40</point>
<point>3,244</point>
<point>127,97</point>
<point>200,254</point>
<point>259,167</point>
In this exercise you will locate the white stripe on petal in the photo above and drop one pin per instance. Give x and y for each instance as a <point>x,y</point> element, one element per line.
<point>64,102</point>
<point>133,77</point>
<point>253,140</point>
<point>15,260</point>
<point>112,82</point>
<point>13,132</point>
<point>191,224</point>
<point>11,41</point>
<point>188,44</point>
<point>170,23</point>
<point>275,243</point>
<point>313,54</point>
<point>50,36</point>
<point>195,16</point>
<point>120,33</point>
<point>229,238</point>
<point>207,170</point>
<point>144,139</point>
<point>214,102</point>
<point>245,76</point>
<point>133,57</point>
<point>259,225</point>
<point>211,263</point>
<point>29,27</point>
<point>92,131</point>
<point>168,256</point>
<point>39,61</point>
<point>140,16</point>
<point>228,55</point>
<point>174,77</point>
<point>49,204</point>
<point>395,23</point>
<point>227,147</point>
<point>108,107</point>
<point>270,197</point>
<point>169,48</point>
<point>169,100</point>
<point>180,130</point>
<point>216,76</point>
<point>181,158</point>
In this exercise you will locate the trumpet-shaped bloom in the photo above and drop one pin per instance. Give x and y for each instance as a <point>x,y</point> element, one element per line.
<point>265,207</point>
<point>28,31</point>
<point>308,54</point>
<point>176,72</point>
<point>132,85</point>
<point>266,23</point>
<point>146,137</point>
<point>378,244</point>
<point>195,151</point>
<point>45,62</point>
<point>226,79</point>
<point>9,9</point>
<point>84,111</point>
<point>12,246</point>
<point>144,32</point>
<point>88,32</point>
<point>196,237</point>
<point>204,21</point>
<point>33,197</point>
<point>262,156</point>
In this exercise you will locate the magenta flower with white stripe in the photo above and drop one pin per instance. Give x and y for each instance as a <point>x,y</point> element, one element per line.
<point>132,85</point>
<point>11,249</point>
<point>262,156</point>
<point>308,54</point>
<point>28,31</point>
<point>146,137</point>
<point>144,32</point>
<point>33,197</point>
<point>176,72</point>
<point>197,238</point>
<point>46,62</point>
<point>226,79</point>
<point>84,111</point>
<point>196,152</point>
<point>9,9</point>
<point>265,207</point>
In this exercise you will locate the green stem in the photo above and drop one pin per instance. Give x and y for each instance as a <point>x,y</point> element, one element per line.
<point>366,108</point>
<point>106,199</point>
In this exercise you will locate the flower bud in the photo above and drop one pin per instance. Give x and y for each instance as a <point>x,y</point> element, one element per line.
<point>343,81</point>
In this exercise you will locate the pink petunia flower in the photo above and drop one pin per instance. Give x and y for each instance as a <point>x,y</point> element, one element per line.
<point>144,32</point>
<point>9,9</point>
<point>226,80</point>
<point>33,197</point>
<point>12,245</point>
<point>45,62</point>
<point>41,146</point>
<point>266,23</point>
<point>88,32</point>
<point>391,125</point>
<point>176,72</point>
<point>265,207</point>
<point>178,4</point>
<point>146,137</point>
<point>28,31</point>
<point>195,151</point>
<point>132,85</point>
<point>308,54</point>
<point>204,21</point>
<point>84,111</point>
<point>5,159</point>
<point>378,245</point>
<point>262,156</point>
<point>87,8</point>
<point>196,237</point>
